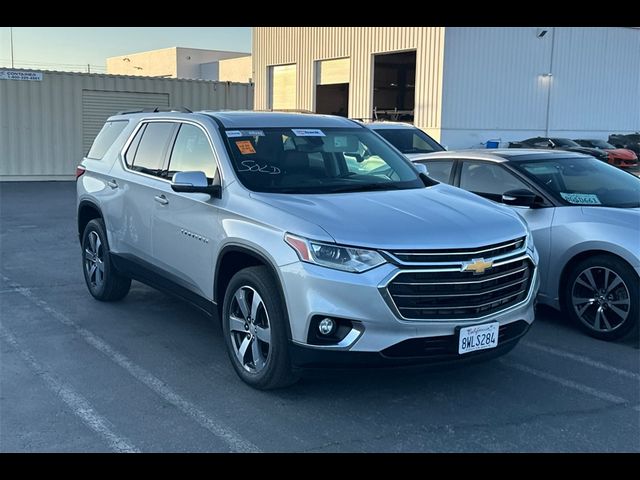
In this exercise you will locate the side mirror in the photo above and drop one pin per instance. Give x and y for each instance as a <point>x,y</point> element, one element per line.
<point>422,168</point>
<point>194,182</point>
<point>519,198</point>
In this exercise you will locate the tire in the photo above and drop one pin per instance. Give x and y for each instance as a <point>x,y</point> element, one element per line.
<point>610,310</point>
<point>258,348</point>
<point>104,282</point>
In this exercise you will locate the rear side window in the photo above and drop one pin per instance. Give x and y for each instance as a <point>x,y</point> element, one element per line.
<point>148,150</point>
<point>110,131</point>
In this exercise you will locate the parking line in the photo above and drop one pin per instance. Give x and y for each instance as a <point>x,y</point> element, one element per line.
<point>226,434</point>
<point>76,402</point>
<point>565,382</point>
<point>581,359</point>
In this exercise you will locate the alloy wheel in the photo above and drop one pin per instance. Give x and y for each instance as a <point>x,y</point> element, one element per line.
<point>94,260</point>
<point>601,299</point>
<point>249,329</point>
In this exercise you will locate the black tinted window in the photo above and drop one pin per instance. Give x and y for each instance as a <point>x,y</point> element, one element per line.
<point>192,152</point>
<point>440,171</point>
<point>488,178</point>
<point>409,140</point>
<point>149,157</point>
<point>105,139</point>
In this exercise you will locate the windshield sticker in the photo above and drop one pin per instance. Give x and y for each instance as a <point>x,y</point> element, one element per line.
<point>307,132</point>
<point>340,142</point>
<point>253,166</point>
<point>245,133</point>
<point>245,147</point>
<point>581,198</point>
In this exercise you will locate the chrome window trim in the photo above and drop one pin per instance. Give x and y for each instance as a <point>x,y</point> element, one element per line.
<point>143,122</point>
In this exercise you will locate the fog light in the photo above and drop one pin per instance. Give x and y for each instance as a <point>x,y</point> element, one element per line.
<point>326,326</point>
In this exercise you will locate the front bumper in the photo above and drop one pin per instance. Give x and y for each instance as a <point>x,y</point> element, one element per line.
<point>432,351</point>
<point>311,290</point>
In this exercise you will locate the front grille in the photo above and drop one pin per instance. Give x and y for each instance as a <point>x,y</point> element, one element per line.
<point>458,255</point>
<point>447,346</point>
<point>457,295</point>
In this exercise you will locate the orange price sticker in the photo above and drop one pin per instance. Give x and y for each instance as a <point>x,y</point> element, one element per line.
<point>245,147</point>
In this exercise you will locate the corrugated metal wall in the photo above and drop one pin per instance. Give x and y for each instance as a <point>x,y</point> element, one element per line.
<point>494,86</point>
<point>41,131</point>
<point>305,45</point>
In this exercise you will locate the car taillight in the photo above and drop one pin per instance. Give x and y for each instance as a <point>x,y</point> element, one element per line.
<point>80,171</point>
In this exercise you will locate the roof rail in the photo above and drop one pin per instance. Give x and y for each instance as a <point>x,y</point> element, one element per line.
<point>155,110</point>
<point>285,110</point>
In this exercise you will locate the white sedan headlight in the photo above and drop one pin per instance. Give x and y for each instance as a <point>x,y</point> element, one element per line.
<point>348,259</point>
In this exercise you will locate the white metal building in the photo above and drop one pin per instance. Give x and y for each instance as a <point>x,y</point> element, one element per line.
<point>462,85</point>
<point>48,120</point>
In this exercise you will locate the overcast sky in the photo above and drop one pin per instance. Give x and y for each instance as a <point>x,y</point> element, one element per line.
<point>72,48</point>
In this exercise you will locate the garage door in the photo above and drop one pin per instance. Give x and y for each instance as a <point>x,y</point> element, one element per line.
<point>98,105</point>
<point>329,72</point>
<point>282,81</point>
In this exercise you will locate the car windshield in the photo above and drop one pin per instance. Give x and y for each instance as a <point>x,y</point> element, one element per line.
<point>314,160</point>
<point>583,181</point>
<point>564,142</point>
<point>409,140</point>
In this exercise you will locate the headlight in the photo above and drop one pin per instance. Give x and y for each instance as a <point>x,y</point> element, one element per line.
<point>348,259</point>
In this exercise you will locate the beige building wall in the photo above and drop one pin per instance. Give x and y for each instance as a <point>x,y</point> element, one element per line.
<point>303,46</point>
<point>236,70</point>
<point>179,62</point>
<point>44,124</point>
<point>156,63</point>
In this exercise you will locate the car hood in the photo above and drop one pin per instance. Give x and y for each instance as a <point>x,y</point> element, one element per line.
<point>437,217</point>
<point>623,153</point>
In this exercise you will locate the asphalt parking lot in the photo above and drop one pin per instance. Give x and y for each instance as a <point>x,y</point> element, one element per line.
<point>150,373</point>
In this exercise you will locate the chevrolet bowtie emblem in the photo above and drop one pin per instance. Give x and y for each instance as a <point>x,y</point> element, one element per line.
<point>477,266</point>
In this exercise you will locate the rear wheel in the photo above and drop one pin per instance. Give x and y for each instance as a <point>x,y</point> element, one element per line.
<point>602,296</point>
<point>104,282</point>
<point>255,330</point>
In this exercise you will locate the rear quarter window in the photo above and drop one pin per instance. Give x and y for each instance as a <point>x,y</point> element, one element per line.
<point>105,138</point>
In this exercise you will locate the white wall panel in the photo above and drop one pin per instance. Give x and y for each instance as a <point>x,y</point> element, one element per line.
<point>494,86</point>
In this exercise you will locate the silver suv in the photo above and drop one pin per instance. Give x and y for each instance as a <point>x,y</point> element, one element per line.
<point>309,253</point>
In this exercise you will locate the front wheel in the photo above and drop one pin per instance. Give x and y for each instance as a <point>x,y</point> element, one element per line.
<point>602,297</point>
<point>254,324</point>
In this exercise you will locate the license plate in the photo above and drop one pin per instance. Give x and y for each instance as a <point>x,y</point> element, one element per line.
<point>478,337</point>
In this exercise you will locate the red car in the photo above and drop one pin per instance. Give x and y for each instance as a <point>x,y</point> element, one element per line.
<point>620,157</point>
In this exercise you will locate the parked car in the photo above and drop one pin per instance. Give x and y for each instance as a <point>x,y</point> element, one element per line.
<point>258,218</point>
<point>409,139</point>
<point>620,157</point>
<point>560,144</point>
<point>585,219</point>
<point>629,141</point>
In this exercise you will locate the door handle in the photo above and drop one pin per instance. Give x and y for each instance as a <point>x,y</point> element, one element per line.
<point>112,184</point>
<point>161,199</point>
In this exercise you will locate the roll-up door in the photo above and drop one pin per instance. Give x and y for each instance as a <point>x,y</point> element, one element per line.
<point>329,72</point>
<point>282,80</point>
<point>98,105</point>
